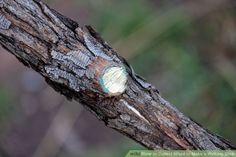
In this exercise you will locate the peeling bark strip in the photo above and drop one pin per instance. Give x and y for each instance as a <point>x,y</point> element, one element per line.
<point>77,63</point>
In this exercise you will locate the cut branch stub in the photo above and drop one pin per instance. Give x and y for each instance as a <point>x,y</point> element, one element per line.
<point>113,80</point>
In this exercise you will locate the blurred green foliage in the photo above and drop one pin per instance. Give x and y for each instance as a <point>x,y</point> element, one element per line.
<point>6,107</point>
<point>180,53</point>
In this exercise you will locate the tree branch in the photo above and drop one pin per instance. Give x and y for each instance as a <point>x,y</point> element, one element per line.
<point>76,62</point>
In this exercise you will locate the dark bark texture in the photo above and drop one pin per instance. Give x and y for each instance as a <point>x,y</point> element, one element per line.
<point>72,60</point>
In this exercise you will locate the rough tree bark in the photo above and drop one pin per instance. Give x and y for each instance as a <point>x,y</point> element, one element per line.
<point>76,62</point>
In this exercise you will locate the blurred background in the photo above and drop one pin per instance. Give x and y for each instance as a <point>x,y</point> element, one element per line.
<point>186,48</point>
